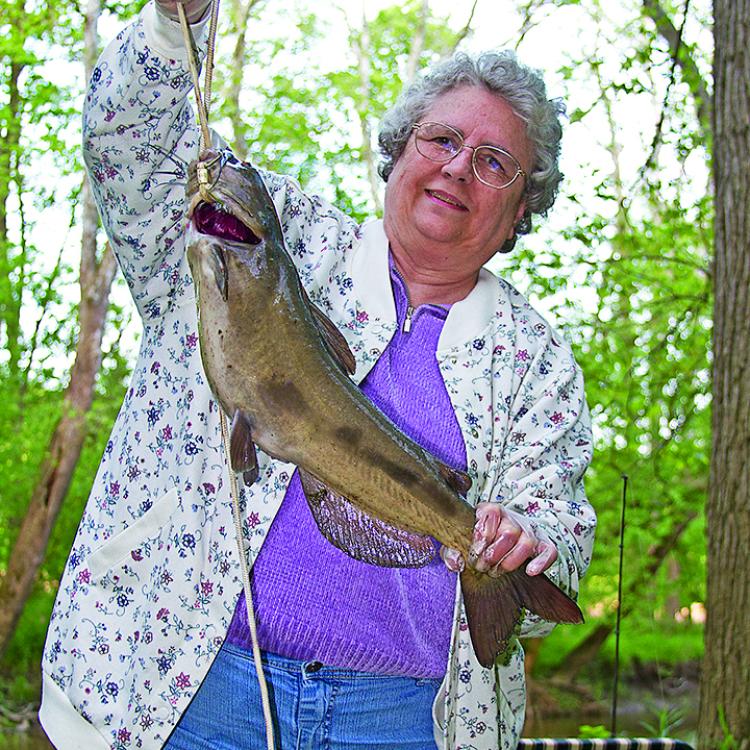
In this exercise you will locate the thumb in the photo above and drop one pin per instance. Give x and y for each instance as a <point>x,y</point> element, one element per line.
<point>453,559</point>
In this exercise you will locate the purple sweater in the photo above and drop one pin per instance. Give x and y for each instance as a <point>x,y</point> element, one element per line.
<point>314,602</point>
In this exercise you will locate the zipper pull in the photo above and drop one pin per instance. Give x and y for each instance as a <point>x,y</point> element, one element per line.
<point>407,319</point>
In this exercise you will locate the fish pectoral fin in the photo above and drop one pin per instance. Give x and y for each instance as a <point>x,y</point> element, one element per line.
<point>334,340</point>
<point>457,480</point>
<point>360,535</point>
<point>242,455</point>
<point>494,607</point>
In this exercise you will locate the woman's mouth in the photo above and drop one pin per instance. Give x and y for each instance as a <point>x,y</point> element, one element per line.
<point>438,196</point>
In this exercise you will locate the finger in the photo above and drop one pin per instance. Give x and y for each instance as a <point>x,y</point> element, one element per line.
<point>453,559</point>
<point>507,537</point>
<point>545,556</point>
<point>516,556</point>
<point>488,518</point>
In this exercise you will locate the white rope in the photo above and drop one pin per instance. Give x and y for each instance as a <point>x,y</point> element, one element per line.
<point>202,107</point>
<point>265,699</point>
<point>193,65</point>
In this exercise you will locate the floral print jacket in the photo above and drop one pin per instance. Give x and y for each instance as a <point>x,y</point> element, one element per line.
<point>153,577</point>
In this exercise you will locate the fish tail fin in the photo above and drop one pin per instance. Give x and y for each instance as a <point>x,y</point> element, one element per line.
<point>494,607</point>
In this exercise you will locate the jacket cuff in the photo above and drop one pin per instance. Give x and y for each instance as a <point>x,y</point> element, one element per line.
<point>164,35</point>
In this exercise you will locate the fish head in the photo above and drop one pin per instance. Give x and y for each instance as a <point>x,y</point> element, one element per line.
<point>233,224</point>
<point>233,245</point>
<point>218,178</point>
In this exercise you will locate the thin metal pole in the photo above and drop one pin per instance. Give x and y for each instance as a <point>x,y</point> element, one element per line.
<point>613,732</point>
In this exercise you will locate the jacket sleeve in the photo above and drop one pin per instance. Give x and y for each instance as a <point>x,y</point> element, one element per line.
<point>139,135</point>
<point>548,448</point>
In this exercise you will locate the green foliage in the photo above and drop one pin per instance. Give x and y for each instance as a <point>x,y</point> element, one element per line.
<point>592,732</point>
<point>40,175</point>
<point>625,269</point>
<point>728,742</point>
<point>629,276</point>
<point>19,461</point>
<point>667,721</point>
<point>642,639</point>
<point>310,119</point>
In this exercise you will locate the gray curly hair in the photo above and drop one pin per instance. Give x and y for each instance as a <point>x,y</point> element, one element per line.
<point>522,87</point>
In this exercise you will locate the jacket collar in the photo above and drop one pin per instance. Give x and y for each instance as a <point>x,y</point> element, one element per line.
<point>369,271</point>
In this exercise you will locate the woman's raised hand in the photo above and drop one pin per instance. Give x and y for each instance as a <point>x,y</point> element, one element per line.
<point>194,9</point>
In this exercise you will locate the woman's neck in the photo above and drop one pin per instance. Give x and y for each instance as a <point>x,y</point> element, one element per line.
<point>431,286</point>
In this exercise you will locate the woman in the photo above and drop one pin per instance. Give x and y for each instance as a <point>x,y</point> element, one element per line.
<point>148,644</point>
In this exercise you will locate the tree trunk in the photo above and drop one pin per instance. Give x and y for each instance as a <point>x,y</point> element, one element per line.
<point>725,679</point>
<point>63,453</point>
<point>67,440</point>
<point>361,47</point>
<point>239,15</point>
<point>10,301</point>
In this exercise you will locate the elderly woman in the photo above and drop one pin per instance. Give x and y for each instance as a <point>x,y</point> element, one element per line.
<point>149,641</point>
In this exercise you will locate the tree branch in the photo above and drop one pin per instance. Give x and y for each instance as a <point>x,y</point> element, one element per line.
<point>466,28</point>
<point>682,58</point>
<point>361,46</point>
<point>417,44</point>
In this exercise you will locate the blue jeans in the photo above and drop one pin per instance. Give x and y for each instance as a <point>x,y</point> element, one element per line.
<point>314,707</point>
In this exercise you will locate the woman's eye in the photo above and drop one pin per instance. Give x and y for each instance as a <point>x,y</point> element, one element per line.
<point>448,144</point>
<point>494,163</point>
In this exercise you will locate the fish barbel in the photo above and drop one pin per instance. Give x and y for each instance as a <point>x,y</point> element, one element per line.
<point>280,370</point>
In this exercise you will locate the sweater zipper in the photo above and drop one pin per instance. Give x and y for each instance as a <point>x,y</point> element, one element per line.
<point>406,325</point>
<point>407,318</point>
<point>410,309</point>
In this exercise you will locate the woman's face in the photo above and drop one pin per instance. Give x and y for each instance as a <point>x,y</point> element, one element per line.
<point>439,216</point>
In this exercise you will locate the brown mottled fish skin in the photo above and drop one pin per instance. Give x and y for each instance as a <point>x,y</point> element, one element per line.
<point>265,358</point>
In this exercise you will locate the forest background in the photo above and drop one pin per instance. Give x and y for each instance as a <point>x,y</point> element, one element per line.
<point>623,266</point>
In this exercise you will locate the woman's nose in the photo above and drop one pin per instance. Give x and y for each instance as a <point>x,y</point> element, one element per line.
<point>460,166</point>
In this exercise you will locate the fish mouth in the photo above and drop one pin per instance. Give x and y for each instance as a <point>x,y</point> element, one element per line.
<point>215,221</point>
<point>221,193</point>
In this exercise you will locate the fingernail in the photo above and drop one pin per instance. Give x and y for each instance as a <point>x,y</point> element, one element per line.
<point>475,551</point>
<point>454,560</point>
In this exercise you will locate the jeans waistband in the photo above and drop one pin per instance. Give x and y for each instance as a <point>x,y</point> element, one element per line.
<point>316,668</point>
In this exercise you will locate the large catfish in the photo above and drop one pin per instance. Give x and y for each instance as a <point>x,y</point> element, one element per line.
<point>280,369</point>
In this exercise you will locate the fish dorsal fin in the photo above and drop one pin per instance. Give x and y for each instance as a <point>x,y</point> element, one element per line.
<point>334,340</point>
<point>361,536</point>
<point>458,480</point>
<point>242,455</point>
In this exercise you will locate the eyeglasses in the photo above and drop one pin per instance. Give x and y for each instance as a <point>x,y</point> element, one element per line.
<point>492,165</point>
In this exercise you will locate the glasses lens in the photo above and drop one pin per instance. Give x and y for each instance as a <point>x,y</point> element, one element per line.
<point>437,142</point>
<point>494,166</point>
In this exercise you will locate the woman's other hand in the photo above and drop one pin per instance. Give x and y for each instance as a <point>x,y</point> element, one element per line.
<point>194,9</point>
<point>503,541</point>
